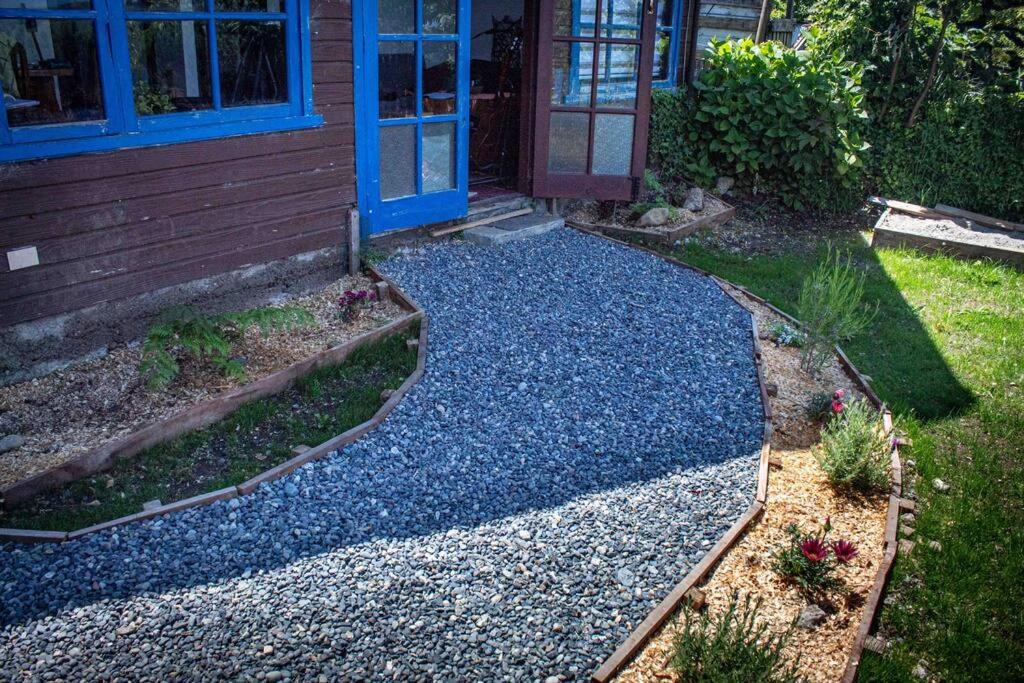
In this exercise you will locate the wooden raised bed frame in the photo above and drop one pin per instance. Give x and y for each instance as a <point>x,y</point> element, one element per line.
<point>685,591</point>
<point>670,236</point>
<point>209,412</point>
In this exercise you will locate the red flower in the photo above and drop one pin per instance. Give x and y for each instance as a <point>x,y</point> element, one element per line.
<point>814,549</point>
<point>837,406</point>
<point>844,550</point>
<point>839,395</point>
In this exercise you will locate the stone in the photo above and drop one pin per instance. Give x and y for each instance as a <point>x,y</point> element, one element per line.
<point>625,577</point>
<point>694,200</point>
<point>274,676</point>
<point>772,389</point>
<point>935,545</point>
<point>11,442</point>
<point>921,670</point>
<point>940,485</point>
<point>291,490</point>
<point>386,394</point>
<point>811,617</point>
<point>659,215</point>
<point>151,504</point>
<point>724,184</point>
<point>908,518</point>
<point>525,535</point>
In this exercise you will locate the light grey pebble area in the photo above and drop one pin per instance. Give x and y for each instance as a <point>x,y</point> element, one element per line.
<point>588,426</point>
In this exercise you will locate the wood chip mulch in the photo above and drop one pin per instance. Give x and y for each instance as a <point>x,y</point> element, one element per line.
<point>798,492</point>
<point>78,408</point>
<point>620,215</point>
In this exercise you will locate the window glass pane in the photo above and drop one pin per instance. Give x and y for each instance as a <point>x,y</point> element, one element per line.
<point>571,74</point>
<point>170,66</point>
<point>567,142</point>
<point>613,144</point>
<point>396,16</point>
<point>397,161</point>
<point>575,17</point>
<point>253,69</point>
<point>665,8</point>
<point>621,18</point>
<point>45,4</point>
<point>662,45</point>
<point>396,76</point>
<point>49,71</point>
<point>165,5</point>
<point>439,16</point>
<point>617,73</point>
<point>247,5</point>
<point>438,156</point>
<point>438,78</point>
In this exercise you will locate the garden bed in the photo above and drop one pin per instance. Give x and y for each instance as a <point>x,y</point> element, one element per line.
<point>77,421</point>
<point>617,220</point>
<point>257,437</point>
<point>959,237</point>
<point>799,492</point>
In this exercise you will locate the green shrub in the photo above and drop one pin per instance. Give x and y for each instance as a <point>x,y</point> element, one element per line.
<point>855,449</point>
<point>966,152</point>
<point>208,339</point>
<point>831,308</point>
<point>732,648</point>
<point>785,334</point>
<point>780,120</point>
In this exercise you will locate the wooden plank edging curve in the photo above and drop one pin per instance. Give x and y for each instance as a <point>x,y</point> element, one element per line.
<point>329,357</point>
<point>660,614</point>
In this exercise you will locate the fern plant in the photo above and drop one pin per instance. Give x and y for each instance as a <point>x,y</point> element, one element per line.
<point>208,339</point>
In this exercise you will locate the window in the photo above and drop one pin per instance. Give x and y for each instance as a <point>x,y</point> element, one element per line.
<point>666,43</point>
<point>92,75</point>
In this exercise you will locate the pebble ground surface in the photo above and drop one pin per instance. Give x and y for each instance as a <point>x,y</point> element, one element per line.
<point>588,426</point>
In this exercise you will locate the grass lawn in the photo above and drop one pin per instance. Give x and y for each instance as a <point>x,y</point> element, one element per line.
<point>946,352</point>
<point>256,437</point>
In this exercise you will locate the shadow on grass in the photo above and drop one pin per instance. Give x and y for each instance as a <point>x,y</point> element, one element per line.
<point>907,369</point>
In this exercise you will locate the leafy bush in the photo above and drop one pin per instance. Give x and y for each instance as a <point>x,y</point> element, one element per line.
<point>208,339</point>
<point>855,449</point>
<point>809,560</point>
<point>782,120</point>
<point>733,648</point>
<point>831,308</point>
<point>824,406</point>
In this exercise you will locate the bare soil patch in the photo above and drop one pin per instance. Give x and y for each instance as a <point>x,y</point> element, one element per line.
<point>78,408</point>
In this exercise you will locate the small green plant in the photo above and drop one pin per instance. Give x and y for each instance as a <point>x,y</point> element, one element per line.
<point>732,648</point>
<point>371,256</point>
<point>148,100</point>
<point>208,339</point>
<point>809,560</point>
<point>824,406</point>
<point>785,334</point>
<point>832,309</point>
<point>855,449</point>
<point>655,197</point>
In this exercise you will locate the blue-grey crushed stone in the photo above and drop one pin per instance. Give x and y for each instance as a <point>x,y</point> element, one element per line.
<point>588,426</point>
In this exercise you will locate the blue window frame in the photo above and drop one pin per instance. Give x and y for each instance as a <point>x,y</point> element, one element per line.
<point>667,43</point>
<point>93,75</point>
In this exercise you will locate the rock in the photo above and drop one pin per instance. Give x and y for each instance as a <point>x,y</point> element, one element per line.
<point>935,545</point>
<point>274,676</point>
<point>659,215</point>
<point>386,394</point>
<point>724,184</point>
<point>772,389</point>
<point>553,679</point>
<point>525,535</point>
<point>11,442</point>
<point>940,485</point>
<point>291,490</point>
<point>811,617</point>
<point>151,504</point>
<point>694,200</point>
<point>921,670</point>
<point>908,518</point>
<point>625,577</point>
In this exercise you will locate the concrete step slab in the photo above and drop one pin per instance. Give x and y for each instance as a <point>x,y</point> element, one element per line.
<point>516,228</point>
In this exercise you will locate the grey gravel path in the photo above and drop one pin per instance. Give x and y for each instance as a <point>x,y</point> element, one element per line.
<point>588,426</point>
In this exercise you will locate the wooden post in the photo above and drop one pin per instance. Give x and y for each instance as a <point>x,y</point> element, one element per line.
<point>353,242</point>
<point>762,21</point>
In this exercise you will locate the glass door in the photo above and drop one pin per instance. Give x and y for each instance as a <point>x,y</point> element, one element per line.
<point>594,64</point>
<point>412,104</point>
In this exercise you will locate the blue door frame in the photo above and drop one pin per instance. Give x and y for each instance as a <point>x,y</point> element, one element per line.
<point>377,214</point>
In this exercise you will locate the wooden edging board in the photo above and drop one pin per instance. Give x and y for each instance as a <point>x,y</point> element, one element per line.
<point>660,614</point>
<point>281,379</point>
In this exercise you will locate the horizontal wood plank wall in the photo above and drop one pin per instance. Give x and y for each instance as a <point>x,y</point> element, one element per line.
<point>118,224</point>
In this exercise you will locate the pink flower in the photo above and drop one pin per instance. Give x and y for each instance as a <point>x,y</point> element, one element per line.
<point>837,406</point>
<point>814,549</point>
<point>839,395</point>
<point>844,550</point>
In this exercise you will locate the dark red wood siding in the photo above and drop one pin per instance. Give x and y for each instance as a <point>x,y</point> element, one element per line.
<point>117,224</point>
